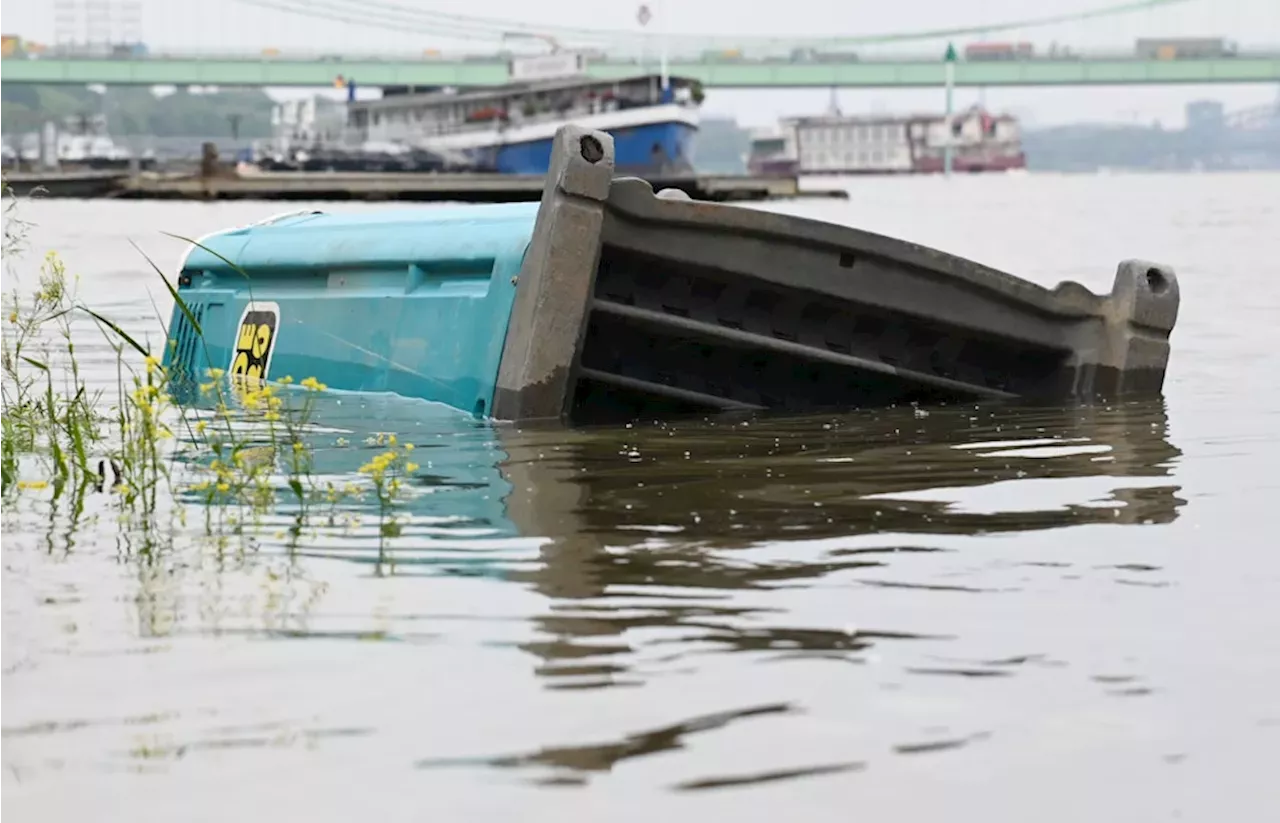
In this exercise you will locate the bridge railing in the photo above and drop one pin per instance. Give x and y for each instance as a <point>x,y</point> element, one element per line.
<point>1053,53</point>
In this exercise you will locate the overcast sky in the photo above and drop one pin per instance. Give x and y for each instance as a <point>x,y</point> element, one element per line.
<point>247,26</point>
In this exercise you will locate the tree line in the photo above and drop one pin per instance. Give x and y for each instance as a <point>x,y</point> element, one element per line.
<point>130,110</point>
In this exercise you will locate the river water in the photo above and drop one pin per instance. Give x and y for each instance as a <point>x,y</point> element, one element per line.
<point>963,613</point>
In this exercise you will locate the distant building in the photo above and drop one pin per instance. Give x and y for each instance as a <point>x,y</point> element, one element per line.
<point>1205,116</point>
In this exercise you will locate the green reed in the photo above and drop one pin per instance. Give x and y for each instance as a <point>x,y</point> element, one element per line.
<point>63,420</point>
<point>244,448</point>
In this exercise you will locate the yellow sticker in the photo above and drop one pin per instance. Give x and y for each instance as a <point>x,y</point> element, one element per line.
<point>254,344</point>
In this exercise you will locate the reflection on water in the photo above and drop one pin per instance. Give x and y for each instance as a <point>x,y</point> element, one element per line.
<point>571,764</point>
<point>642,543</point>
<point>662,507</point>
<point>676,489</point>
<point>735,484</point>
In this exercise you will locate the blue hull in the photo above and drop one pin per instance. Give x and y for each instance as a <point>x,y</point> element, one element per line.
<point>654,147</point>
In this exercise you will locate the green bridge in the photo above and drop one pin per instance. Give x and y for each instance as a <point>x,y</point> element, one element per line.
<point>865,73</point>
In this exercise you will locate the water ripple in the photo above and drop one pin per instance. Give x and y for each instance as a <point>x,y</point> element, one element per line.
<point>756,615</point>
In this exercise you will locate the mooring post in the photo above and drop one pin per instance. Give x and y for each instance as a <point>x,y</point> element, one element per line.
<point>208,168</point>
<point>49,146</point>
<point>556,279</point>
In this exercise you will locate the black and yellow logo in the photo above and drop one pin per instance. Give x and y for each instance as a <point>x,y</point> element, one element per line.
<point>255,338</point>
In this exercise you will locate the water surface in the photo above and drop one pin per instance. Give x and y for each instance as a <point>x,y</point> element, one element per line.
<point>954,613</point>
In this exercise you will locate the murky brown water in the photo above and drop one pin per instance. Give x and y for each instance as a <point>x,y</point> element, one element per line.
<point>978,613</point>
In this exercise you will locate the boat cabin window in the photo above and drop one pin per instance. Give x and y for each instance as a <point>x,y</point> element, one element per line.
<point>438,113</point>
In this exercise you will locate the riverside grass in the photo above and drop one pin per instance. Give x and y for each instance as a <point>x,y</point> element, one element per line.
<point>247,452</point>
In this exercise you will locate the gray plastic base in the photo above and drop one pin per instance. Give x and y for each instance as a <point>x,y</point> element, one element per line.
<point>634,303</point>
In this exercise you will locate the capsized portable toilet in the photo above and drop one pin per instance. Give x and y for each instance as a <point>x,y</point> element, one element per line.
<point>606,300</point>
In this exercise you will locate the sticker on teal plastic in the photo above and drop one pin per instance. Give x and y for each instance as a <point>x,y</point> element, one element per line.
<point>255,341</point>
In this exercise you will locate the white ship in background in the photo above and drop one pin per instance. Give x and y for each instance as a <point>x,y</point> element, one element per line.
<point>888,144</point>
<point>507,129</point>
<point>79,141</point>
